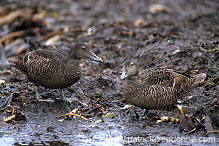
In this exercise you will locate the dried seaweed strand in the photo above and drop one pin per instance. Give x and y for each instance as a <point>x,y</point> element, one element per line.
<point>89,111</point>
<point>7,101</point>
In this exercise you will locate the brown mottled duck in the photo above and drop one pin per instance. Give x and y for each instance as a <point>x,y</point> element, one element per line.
<point>53,68</point>
<point>156,88</point>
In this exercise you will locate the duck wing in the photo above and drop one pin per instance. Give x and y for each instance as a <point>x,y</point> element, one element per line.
<point>158,76</point>
<point>39,63</point>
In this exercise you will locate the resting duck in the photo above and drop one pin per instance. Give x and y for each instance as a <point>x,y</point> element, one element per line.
<point>156,88</point>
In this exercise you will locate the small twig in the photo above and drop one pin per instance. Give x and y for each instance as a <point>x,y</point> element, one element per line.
<point>10,118</point>
<point>180,110</point>
<point>211,132</point>
<point>80,116</point>
<point>209,51</point>
<point>52,41</point>
<point>48,36</point>
<point>12,35</point>
<point>10,17</point>
<point>167,119</point>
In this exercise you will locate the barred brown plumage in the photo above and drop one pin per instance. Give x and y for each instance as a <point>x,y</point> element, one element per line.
<point>156,88</point>
<point>54,68</point>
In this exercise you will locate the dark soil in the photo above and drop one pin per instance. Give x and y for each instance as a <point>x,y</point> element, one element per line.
<point>183,34</point>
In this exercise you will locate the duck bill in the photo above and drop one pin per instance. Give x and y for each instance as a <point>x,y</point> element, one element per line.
<point>95,57</point>
<point>124,75</point>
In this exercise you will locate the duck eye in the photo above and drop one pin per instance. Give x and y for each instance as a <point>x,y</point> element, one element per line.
<point>83,48</point>
<point>132,64</point>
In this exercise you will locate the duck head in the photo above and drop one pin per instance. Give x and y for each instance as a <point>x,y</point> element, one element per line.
<point>129,69</point>
<point>82,51</point>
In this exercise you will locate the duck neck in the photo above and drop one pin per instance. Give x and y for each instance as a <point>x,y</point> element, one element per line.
<point>72,54</point>
<point>132,78</point>
<point>72,67</point>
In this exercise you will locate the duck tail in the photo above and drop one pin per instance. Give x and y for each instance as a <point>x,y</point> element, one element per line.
<point>17,63</point>
<point>198,79</point>
<point>12,61</point>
